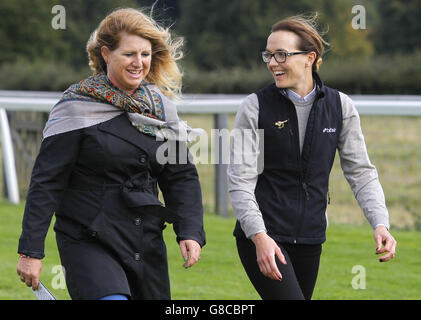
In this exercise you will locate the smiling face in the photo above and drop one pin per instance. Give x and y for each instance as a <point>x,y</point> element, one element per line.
<point>129,64</point>
<point>296,72</point>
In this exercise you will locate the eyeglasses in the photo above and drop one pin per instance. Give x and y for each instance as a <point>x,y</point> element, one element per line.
<point>280,56</point>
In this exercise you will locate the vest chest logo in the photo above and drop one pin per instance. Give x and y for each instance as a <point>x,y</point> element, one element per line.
<point>329,130</point>
<point>280,124</point>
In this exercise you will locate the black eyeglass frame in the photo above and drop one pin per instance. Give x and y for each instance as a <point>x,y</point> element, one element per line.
<point>285,55</point>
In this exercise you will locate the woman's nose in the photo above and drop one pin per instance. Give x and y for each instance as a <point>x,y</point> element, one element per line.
<point>137,60</point>
<point>272,61</point>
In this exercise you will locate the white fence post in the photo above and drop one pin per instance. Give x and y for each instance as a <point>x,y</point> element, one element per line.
<point>221,177</point>
<point>8,159</point>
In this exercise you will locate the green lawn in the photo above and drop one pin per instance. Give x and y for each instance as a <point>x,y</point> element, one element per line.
<point>219,274</point>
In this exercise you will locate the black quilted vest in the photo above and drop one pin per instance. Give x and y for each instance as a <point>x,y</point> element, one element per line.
<point>292,189</point>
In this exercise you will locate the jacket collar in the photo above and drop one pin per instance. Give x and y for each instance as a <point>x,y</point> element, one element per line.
<point>121,127</point>
<point>320,87</point>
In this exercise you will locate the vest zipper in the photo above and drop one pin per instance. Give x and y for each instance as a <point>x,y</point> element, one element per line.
<point>305,187</point>
<point>302,183</point>
<point>300,213</point>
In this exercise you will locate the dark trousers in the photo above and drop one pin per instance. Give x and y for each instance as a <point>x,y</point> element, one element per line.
<point>298,275</point>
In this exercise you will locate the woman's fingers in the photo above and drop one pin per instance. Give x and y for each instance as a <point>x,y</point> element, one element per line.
<point>29,270</point>
<point>385,243</point>
<point>183,250</point>
<point>269,268</point>
<point>390,248</point>
<point>190,250</point>
<point>276,274</point>
<point>280,256</point>
<point>266,251</point>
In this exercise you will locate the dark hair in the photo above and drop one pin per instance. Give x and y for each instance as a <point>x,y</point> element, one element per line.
<point>305,28</point>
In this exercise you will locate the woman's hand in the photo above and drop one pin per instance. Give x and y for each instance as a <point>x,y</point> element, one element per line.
<point>383,237</point>
<point>29,270</point>
<point>190,250</point>
<point>266,250</point>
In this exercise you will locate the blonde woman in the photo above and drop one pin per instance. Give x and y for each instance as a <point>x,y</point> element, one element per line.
<point>97,170</point>
<point>280,211</point>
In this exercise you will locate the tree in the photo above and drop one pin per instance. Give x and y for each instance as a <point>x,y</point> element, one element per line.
<point>220,33</point>
<point>26,32</point>
<point>83,16</point>
<point>232,33</point>
<point>345,41</point>
<point>400,26</point>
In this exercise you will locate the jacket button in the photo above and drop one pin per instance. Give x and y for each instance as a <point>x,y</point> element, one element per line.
<point>142,159</point>
<point>137,256</point>
<point>94,233</point>
<point>137,221</point>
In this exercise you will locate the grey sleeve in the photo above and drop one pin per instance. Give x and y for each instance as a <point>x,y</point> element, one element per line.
<point>360,173</point>
<point>244,167</point>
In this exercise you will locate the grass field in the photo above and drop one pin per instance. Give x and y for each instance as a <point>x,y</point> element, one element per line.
<point>219,274</point>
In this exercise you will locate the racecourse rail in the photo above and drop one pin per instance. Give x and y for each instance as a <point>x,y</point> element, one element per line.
<point>218,105</point>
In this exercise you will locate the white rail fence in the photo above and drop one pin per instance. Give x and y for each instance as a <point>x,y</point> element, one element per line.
<point>220,106</point>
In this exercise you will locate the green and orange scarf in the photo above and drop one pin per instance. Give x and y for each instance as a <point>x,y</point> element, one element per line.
<point>96,99</point>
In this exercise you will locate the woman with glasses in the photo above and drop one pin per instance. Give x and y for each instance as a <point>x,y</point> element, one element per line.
<point>280,209</point>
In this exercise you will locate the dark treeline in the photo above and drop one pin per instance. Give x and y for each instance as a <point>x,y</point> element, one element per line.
<point>223,40</point>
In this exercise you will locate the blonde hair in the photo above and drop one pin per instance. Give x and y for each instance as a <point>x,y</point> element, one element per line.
<point>306,29</point>
<point>164,71</point>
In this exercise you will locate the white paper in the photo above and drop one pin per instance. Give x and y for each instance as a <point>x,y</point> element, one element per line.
<point>42,293</point>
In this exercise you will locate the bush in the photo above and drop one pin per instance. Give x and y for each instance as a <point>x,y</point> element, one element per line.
<point>381,74</point>
<point>39,75</point>
<point>234,80</point>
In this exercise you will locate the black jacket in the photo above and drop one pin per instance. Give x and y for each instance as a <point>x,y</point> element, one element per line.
<point>292,189</point>
<point>109,169</point>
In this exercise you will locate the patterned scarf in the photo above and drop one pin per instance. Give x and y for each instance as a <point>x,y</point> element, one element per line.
<point>148,109</point>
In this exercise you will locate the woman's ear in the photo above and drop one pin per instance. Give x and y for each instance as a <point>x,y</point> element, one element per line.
<point>105,52</point>
<point>311,57</point>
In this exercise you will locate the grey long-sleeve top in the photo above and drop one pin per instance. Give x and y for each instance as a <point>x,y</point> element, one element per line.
<point>360,173</point>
